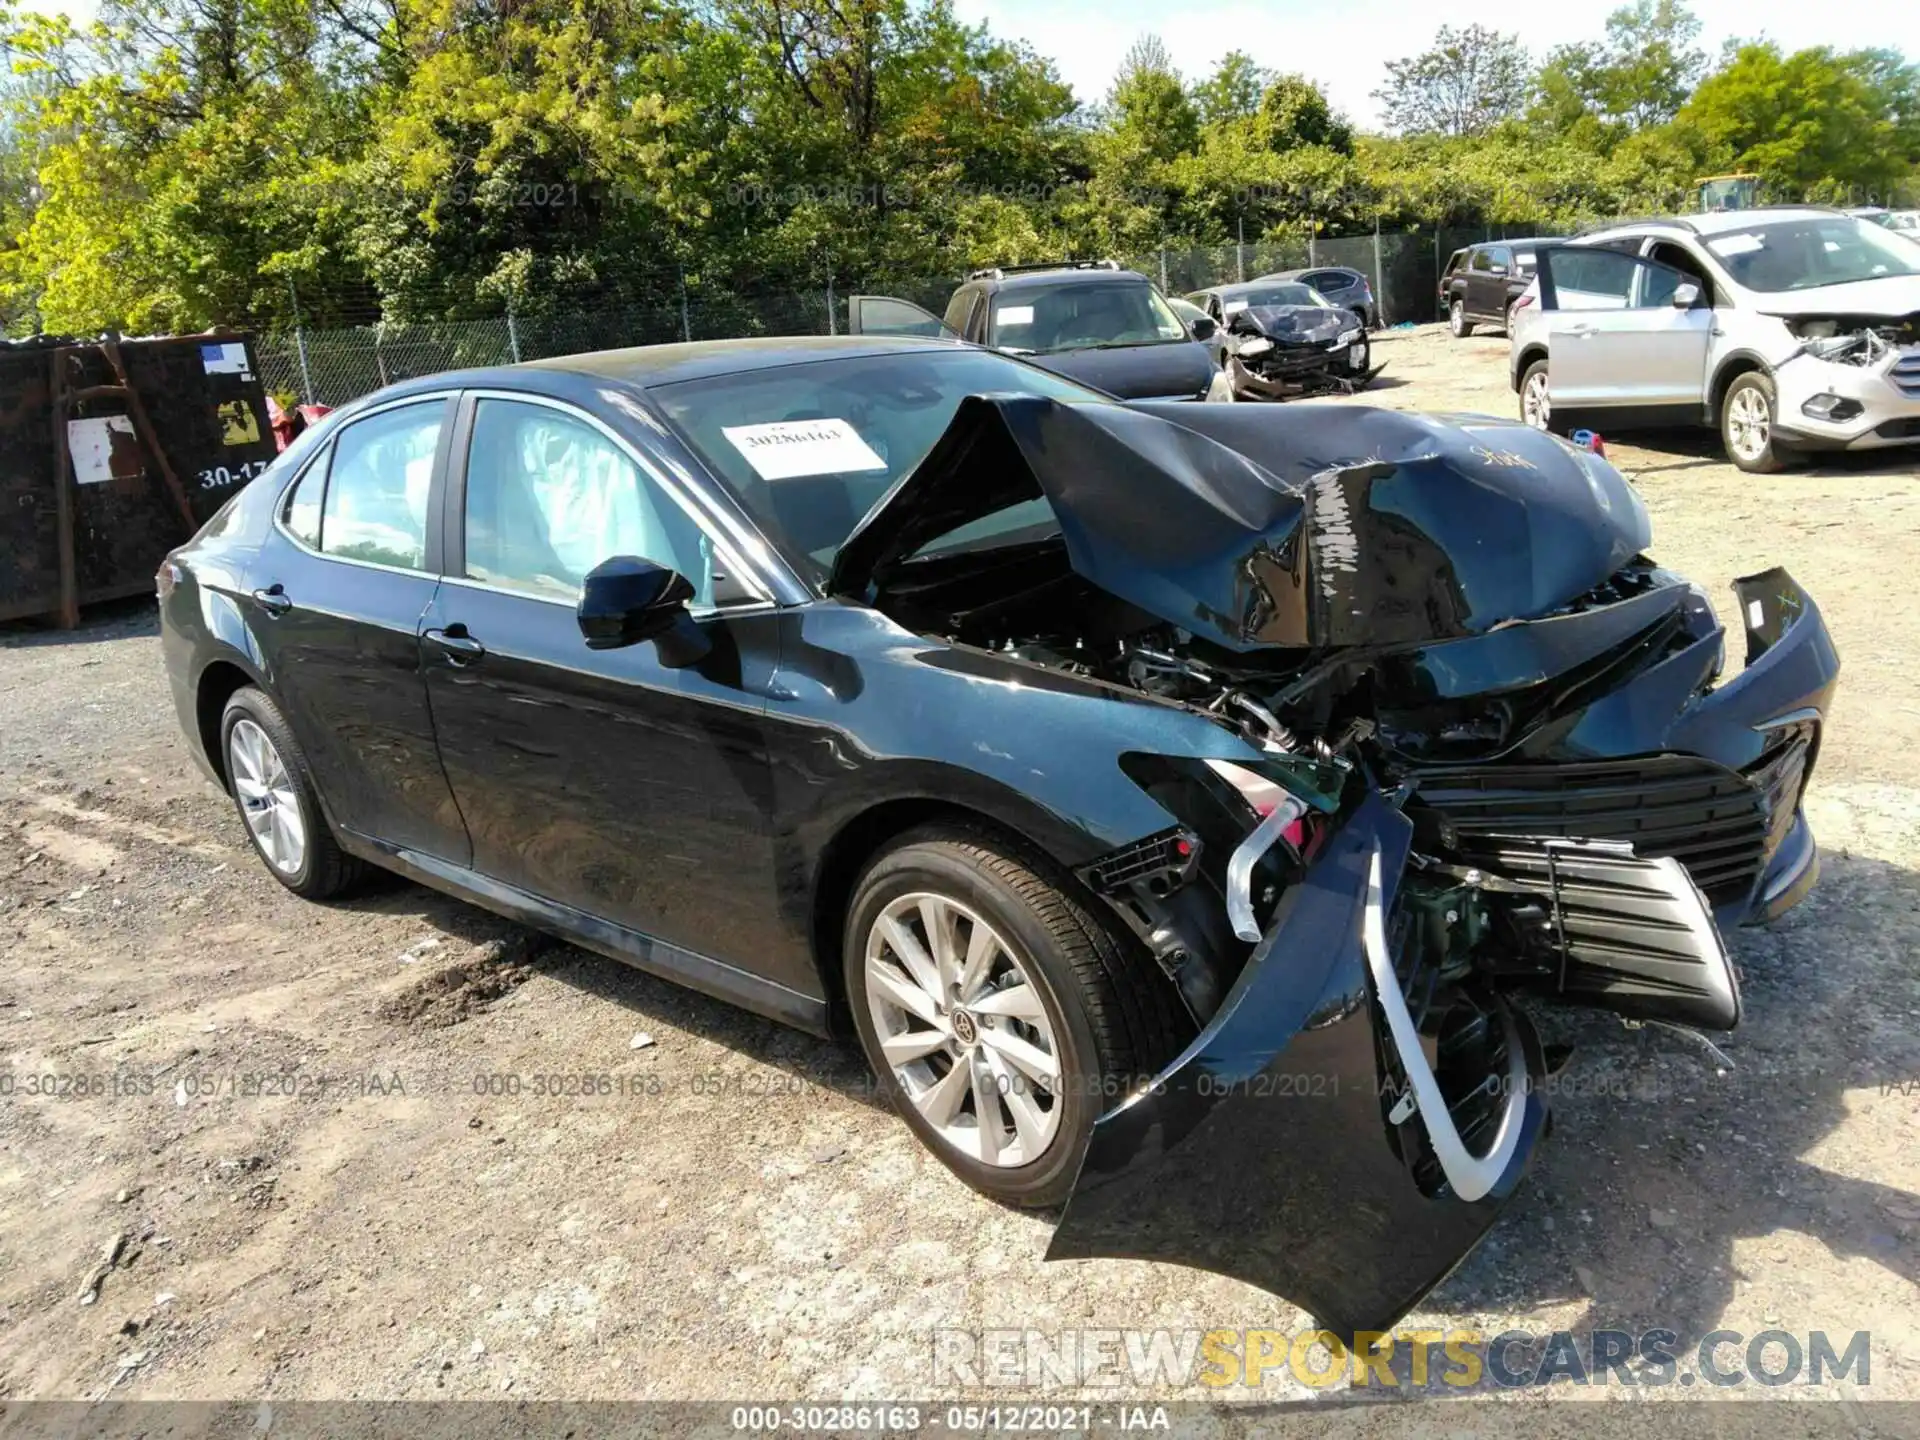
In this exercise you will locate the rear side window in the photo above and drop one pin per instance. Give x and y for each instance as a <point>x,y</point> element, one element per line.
<point>303,506</point>
<point>1331,280</point>
<point>378,478</point>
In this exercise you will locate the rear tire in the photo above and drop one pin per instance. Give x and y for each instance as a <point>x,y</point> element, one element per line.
<point>273,790</point>
<point>1058,992</point>
<point>1748,414</point>
<point>1536,400</point>
<point>1457,320</point>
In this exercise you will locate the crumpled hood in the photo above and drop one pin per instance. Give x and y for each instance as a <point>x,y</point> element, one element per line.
<point>1297,525</point>
<point>1293,324</point>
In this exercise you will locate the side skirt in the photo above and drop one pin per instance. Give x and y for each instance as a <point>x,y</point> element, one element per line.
<point>657,957</point>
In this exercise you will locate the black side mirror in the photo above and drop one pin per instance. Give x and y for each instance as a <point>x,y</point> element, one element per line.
<point>627,600</point>
<point>1203,328</point>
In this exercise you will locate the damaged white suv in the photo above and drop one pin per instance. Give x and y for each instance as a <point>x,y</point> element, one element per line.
<point>1790,329</point>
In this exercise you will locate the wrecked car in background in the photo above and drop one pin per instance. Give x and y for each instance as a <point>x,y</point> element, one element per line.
<point>1178,802</point>
<point>1791,329</point>
<point>1278,339</point>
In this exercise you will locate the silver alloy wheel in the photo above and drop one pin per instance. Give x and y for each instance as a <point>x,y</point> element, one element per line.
<point>1362,349</point>
<point>1457,318</point>
<point>964,1030</point>
<point>1749,423</point>
<point>1536,406</point>
<point>267,797</point>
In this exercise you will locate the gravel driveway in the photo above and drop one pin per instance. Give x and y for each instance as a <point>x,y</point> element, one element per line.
<point>324,1148</point>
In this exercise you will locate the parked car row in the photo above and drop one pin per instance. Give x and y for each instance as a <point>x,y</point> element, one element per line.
<point>1113,329</point>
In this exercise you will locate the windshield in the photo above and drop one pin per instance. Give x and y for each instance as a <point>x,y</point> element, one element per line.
<point>1288,293</point>
<point>1805,254</point>
<point>808,449</point>
<point>1078,315</point>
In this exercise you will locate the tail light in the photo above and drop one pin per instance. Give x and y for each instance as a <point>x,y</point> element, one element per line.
<point>1524,301</point>
<point>166,578</point>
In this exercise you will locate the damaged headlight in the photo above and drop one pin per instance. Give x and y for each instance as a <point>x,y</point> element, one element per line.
<point>1349,337</point>
<point>1259,345</point>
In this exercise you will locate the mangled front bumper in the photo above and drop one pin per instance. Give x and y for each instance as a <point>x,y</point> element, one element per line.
<point>1303,1143</point>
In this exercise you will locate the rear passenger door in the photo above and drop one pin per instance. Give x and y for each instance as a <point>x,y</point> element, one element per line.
<point>340,586</point>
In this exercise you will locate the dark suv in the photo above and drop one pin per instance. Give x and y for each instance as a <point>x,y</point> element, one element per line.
<point>1482,283</point>
<point>1091,321</point>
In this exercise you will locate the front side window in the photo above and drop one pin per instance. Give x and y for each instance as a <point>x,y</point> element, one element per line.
<point>377,481</point>
<point>1588,278</point>
<point>550,496</point>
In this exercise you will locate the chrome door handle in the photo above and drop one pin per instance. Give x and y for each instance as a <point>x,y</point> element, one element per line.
<point>273,600</point>
<point>459,647</point>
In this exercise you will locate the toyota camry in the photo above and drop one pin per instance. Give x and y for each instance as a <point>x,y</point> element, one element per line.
<point>1183,806</point>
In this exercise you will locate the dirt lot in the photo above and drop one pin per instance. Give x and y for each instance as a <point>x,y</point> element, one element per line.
<point>752,1224</point>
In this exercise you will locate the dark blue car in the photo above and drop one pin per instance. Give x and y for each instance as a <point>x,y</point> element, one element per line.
<point>1183,805</point>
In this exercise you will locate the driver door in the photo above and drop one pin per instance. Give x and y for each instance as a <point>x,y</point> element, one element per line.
<point>1615,334</point>
<point>603,781</point>
<point>884,315</point>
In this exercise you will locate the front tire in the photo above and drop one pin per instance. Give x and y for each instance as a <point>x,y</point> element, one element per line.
<point>1000,1017</point>
<point>1748,413</point>
<point>1457,320</point>
<point>272,788</point>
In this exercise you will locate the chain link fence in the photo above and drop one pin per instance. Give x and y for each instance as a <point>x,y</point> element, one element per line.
<point>332,366</point>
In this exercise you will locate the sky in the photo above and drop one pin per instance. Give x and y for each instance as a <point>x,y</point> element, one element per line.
<point>1343,47</point>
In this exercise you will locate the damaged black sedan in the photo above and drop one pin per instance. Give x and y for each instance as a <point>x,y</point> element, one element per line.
<point>1182,805</point>
<point>1277,339</point>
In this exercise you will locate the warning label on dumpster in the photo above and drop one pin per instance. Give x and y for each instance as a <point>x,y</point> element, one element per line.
<point>229,358</point>
<point>104,449</point>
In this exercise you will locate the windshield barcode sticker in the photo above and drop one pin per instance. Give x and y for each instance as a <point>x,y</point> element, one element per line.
<point>790,449</point>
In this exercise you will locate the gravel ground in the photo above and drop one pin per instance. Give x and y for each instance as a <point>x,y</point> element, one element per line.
<point>279,1118</point>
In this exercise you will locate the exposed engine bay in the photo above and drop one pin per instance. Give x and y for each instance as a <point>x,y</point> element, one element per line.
<point>1856,339</point>
<point>1461,619</point>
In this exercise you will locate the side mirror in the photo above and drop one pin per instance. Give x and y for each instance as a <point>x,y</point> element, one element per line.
<point>627,600</point>
<point>1685,296</point>
<point>1203,328</point>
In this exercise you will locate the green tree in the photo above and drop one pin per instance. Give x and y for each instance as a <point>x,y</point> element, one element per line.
<point>1233,90</point>
<point>1813,124</point>
<point>1467,82</point>
<point>1639,75</point>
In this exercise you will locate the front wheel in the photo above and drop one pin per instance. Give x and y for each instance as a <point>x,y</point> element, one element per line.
<point>1747,416</point>
<point>1457,320</point>
<point>999,1016</point>
<point>1359,357</point>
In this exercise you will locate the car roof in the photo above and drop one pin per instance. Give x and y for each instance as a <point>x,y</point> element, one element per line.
<point>1065,275</point>
<point>650,365</point>
<point>1715,222</point>
<point>1313,270</point>
<point>1242,287</point>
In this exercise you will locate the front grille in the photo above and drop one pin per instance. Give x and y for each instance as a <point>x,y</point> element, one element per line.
<point>1905,374</point>
<point>1710,819</point>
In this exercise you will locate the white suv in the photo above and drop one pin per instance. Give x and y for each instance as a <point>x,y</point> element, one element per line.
<point>1790,329</point>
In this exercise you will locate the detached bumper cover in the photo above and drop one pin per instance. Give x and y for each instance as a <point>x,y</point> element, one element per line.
<point>1265,1151</point>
